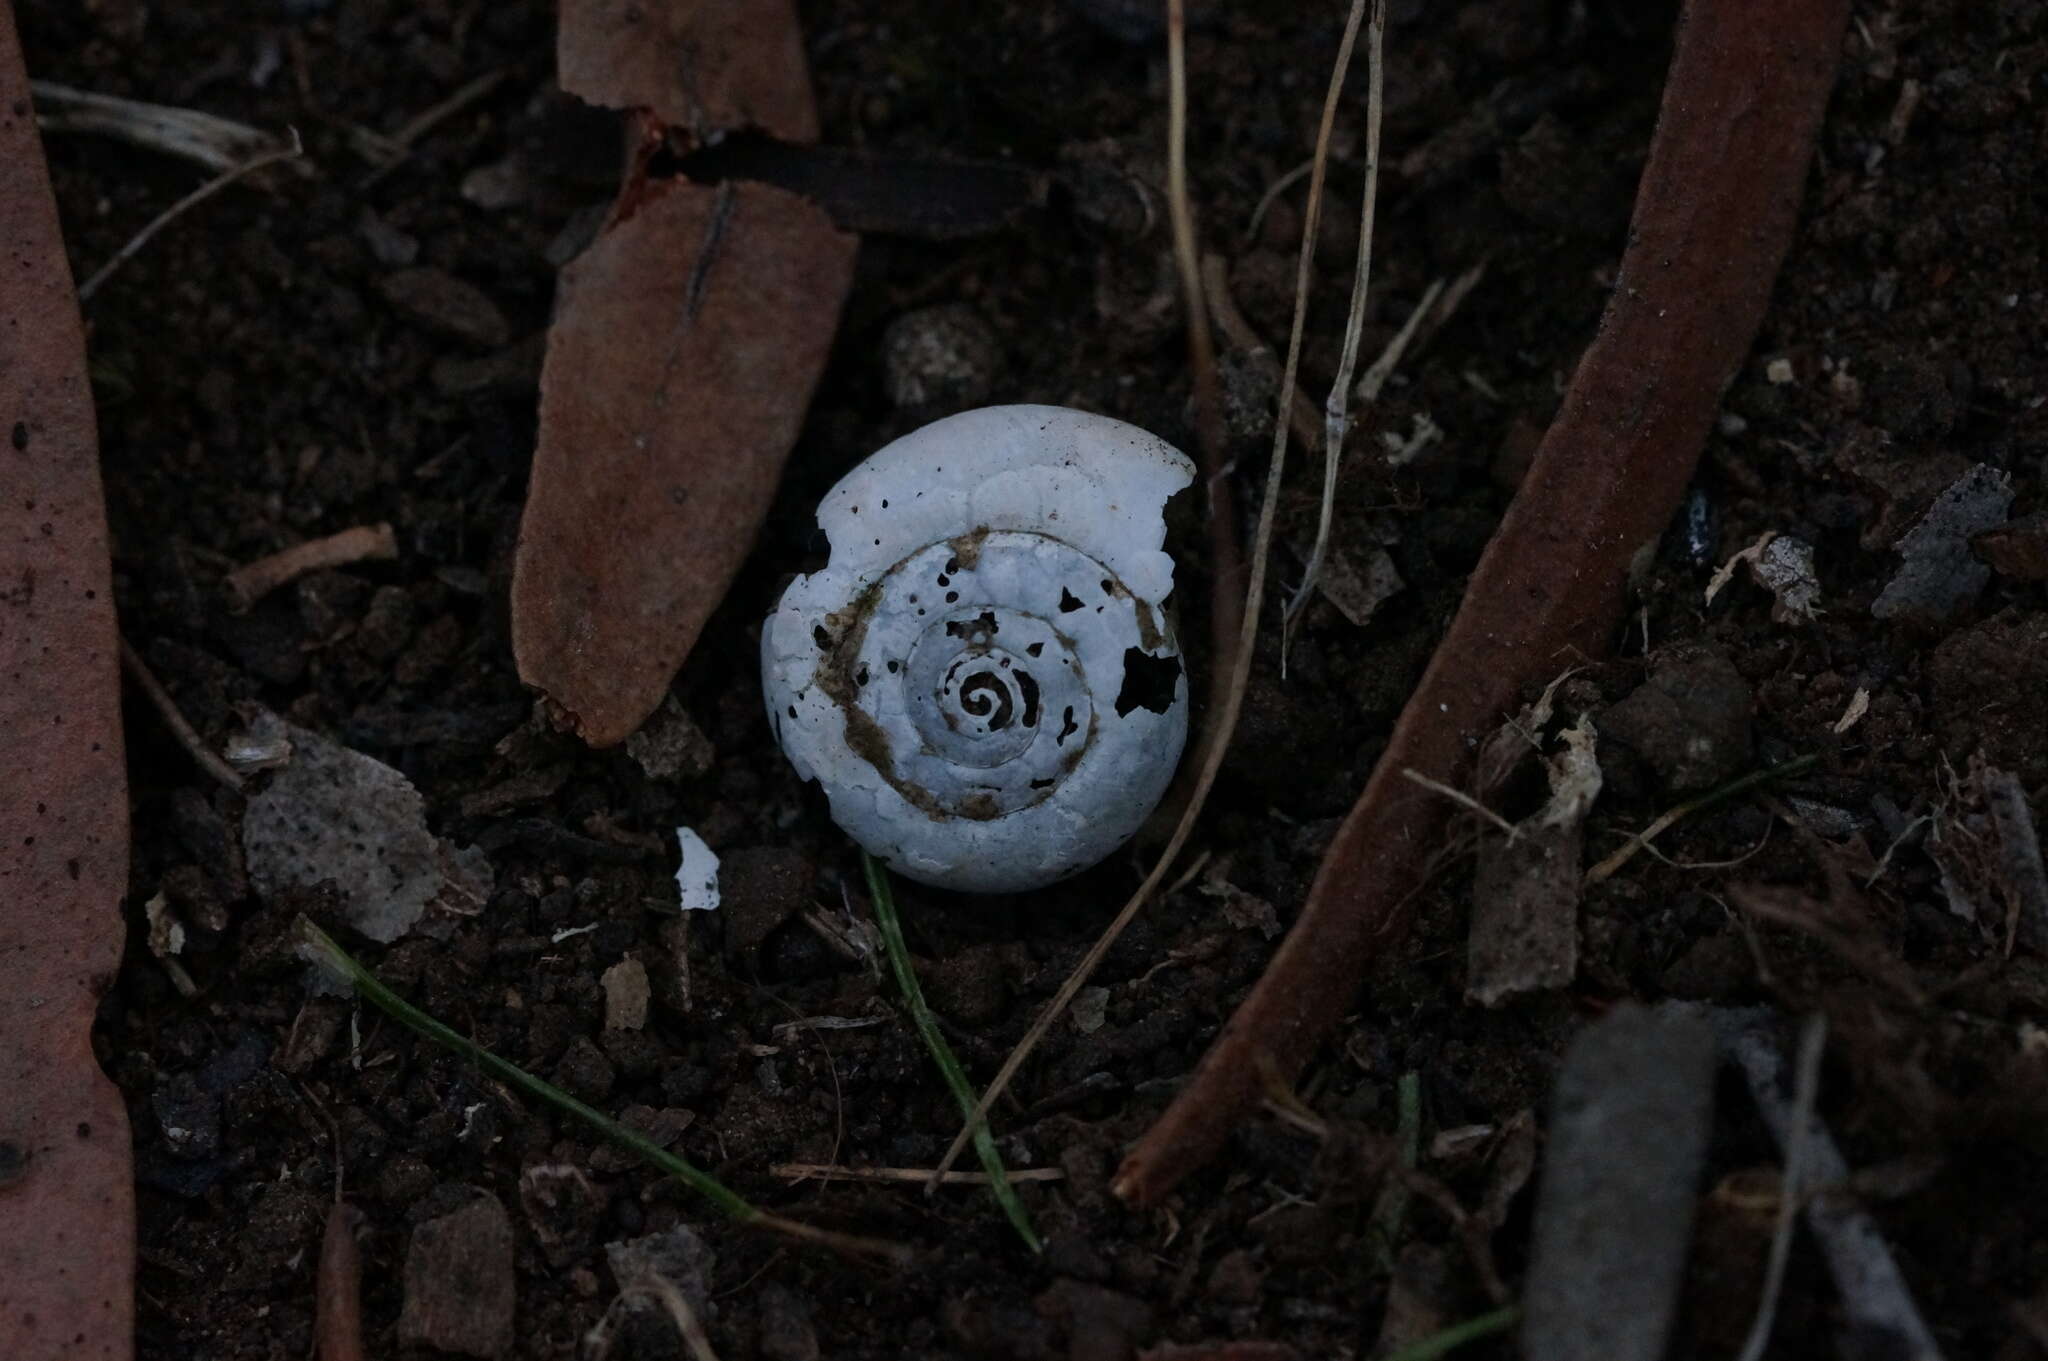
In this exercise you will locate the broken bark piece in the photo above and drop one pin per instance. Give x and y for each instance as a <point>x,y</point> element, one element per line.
<point>459,1284</point>
<point>1630,1120</point>
<point>67,1199</point>
<point>686,344</point>
<point>1719,199</point>
<point>708,66</point>
<point>1525,891</point>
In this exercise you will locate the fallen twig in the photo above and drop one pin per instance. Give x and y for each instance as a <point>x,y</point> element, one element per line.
<point>358,543</point>
<point>207,758</point>
<point>353,545</point>
<point>1226,552</point>
<point>1719,198</point>
<point>183,205</point>
<point>916,1175</point>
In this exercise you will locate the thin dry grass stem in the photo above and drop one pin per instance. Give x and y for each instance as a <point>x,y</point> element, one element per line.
<point>1791,1196</point>
<point>1641,840</point>
<point>1273,193</point>
<point>1226,553</point>
<point>184,205</point>
<point>214,143</point>
<point>391,152</point>
<point>167,708</point>
<point>1241,659</point>
<point>919,1176</point>
<point>1462,799</point>
<point>676,1305</point>
<point>358,543</point>
<point>1337,407</point>
<point>1381,369</point>
<point>1440,302</point>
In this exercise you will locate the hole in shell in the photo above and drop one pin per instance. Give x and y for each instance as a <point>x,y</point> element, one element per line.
<point>821,638</point>
<point>984,695</point>
<point>983,623</point>
<point>1030,689</point>
<point>1036,649</point>
<point>1149,682</point>
<point>1070,728</point>
<point>1069,602</point>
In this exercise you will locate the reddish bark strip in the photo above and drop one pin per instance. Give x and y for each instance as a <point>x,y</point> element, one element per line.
<point>685,346</point>
<point>67,1200</point>
<point>1713,218</point>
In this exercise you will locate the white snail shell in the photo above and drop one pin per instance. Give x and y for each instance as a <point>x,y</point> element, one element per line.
<point>983,678</point>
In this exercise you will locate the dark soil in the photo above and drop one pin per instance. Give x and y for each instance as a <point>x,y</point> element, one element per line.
<point>262,379</point>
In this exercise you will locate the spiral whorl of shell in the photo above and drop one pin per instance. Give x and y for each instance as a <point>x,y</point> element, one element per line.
<point>983,678</point>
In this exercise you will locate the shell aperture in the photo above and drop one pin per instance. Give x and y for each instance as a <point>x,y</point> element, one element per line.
<point>983,679</point>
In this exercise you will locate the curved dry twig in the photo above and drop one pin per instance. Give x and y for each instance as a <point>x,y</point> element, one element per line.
<point>1719,197</point>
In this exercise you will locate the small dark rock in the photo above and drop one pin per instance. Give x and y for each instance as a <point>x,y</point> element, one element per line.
<point>189,1116</point>
<point>562,1208</point>
<point>404,1180</point>
<point>441,302</point>
<point>387,624</point>
<point>940,359</point>
<point>1235,1279</point>
<point>1101,1324</point>
<point>786,1331</point>
<point>971,986</point>
<point>760,888</point>
<point>1987,679</point>
<point>1068,1252</point>
<point>514,369</point>
<point>2017,550</point>
<point>670,745</point>
<point>459,1283</point>
<point>660,1127</point>
<point>584,1071</point>
<point>1684,730</point>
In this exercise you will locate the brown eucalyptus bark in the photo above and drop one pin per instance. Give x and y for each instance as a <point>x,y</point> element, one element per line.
<point>1713,219</point>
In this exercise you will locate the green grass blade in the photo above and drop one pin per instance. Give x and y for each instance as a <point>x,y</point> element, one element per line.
<point>942,1053</point>
<point>327,952</point>
<point>1458,1334</point>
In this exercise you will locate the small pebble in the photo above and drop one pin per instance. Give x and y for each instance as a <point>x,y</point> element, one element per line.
<point>459,1283</point>
<point>940,359</point>
<point>441,302</point>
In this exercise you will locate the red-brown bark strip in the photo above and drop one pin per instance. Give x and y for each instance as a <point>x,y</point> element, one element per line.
<point>67,1198</point>
<point>685,346</point>
<point>684,349</point>
<point>1713,218</point>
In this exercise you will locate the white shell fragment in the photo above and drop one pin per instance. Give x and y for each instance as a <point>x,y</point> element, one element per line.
<point>983,678</point>
<point>696,874</point>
